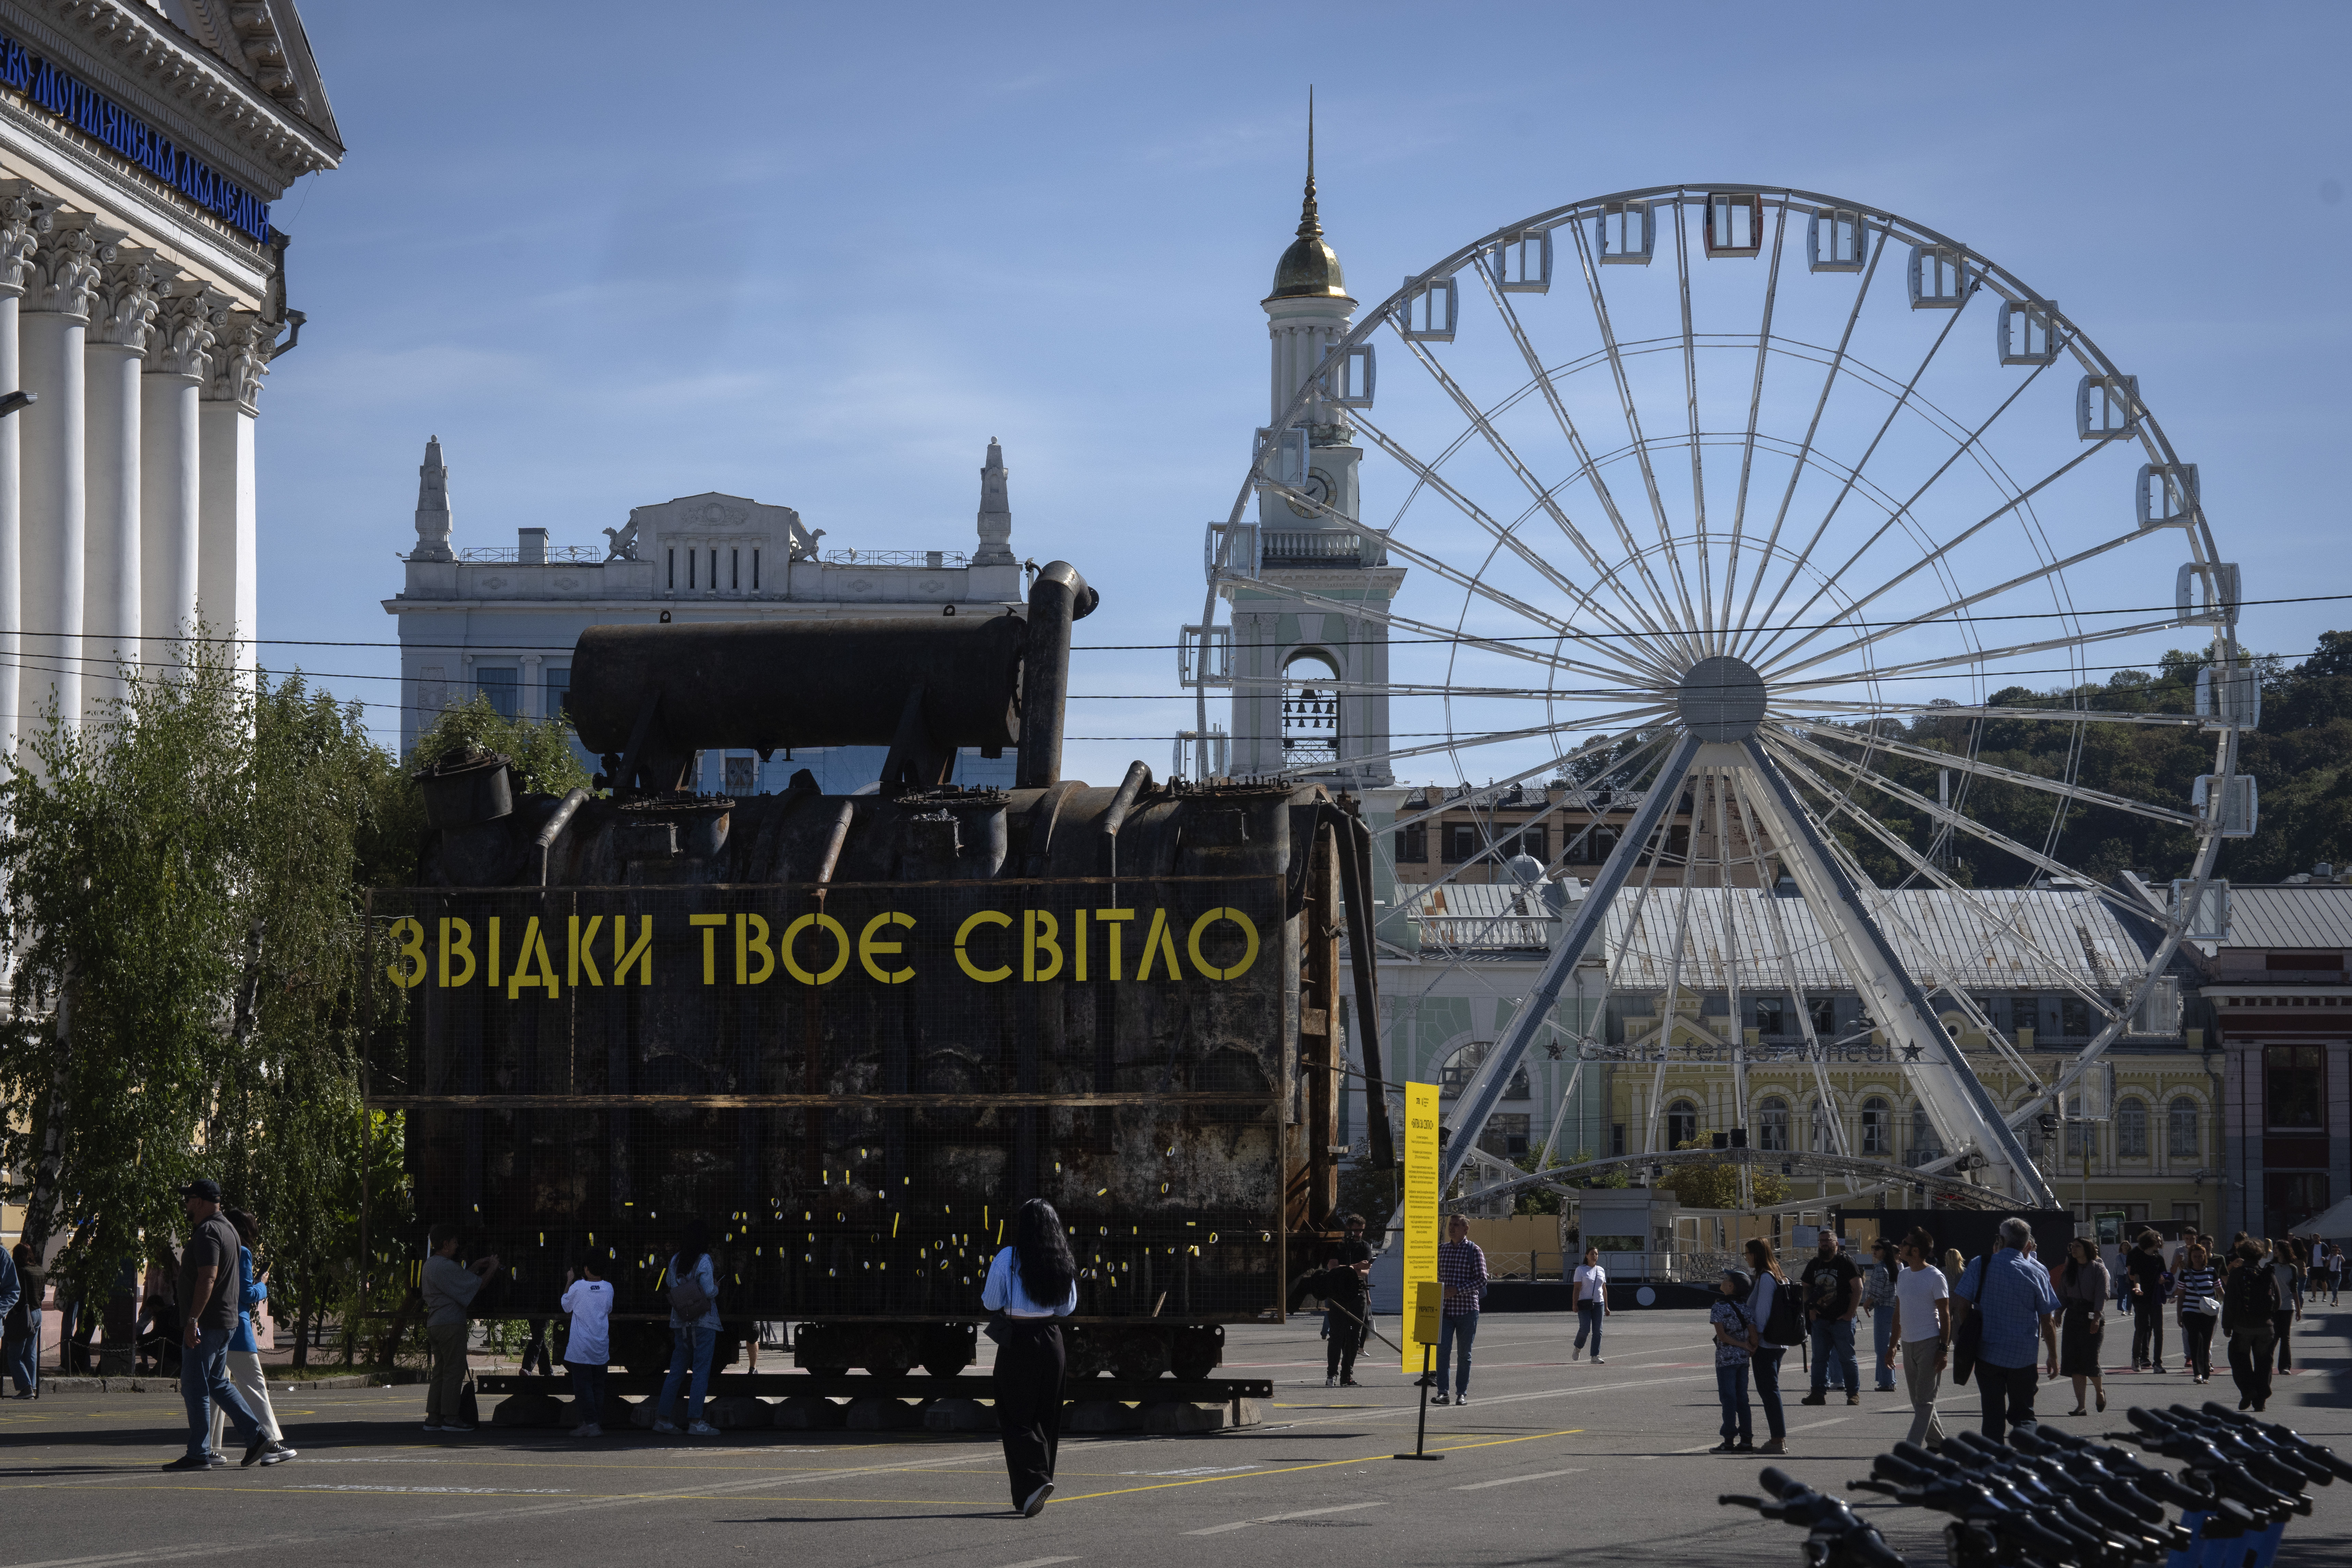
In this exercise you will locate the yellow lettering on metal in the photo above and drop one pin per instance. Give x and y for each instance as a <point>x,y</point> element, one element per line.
<point>456,943</point>
<point>1078,946</point>
<point>534,952</point>
<point>1249,941</point>
<point>832,927</point>
<point>493,955</point>
<point>581,958</point>
<point>750,937</point>
<point>1420,1213</point>
<point>639,953</point>
<point>1040,932</point>
<point>871,945</point>
<point>963,934</point>
<point>408,948</point>
<point>1157,941</point>
<point>709,924</point>
<point>1113,919</point>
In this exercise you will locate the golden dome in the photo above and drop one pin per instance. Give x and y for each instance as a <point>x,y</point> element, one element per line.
<point>1310,269</point>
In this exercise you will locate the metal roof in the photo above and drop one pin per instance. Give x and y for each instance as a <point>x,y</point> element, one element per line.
<point>2317,915</point>
<point>1989,940</point>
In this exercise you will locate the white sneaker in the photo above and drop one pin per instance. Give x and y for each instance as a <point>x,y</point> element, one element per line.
<point>588,1429</point>
<point>701,1429</point>
<point>1036,1503</point>
<point>1330,1382</point>
<point>1461,1399</point>
<point>665,1426</point>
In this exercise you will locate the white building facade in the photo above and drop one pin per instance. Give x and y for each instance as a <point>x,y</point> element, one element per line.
<point>143,298</point>
<point>502,620</point>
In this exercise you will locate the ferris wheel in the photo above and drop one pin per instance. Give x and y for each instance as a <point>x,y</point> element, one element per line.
<point>1793,527</point>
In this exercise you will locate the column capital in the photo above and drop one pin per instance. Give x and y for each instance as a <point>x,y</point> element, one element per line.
<point>20,239</point>
<point>180,336</point>
<point>131,283</point>
<point>239,360</point>
<point>65,270</point>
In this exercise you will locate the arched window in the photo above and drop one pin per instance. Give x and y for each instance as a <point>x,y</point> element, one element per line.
<point>2131,1129</point>
<point>2182,1140</point>
<point>1463,1066</point>
<point>1822,1143</point>
<point>1925,1147</point>
<point>1773,1124</point>
<point>1310,710</point>
<point>1874,1129</point>
<point>1681,1124</point>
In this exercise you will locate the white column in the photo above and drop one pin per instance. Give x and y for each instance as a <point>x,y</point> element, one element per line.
<point>124,302</point>
<point>53,317</point>
<point>17,244</point>
<point>169,473</point>
<point>533,699</point>
<point>225,598</point>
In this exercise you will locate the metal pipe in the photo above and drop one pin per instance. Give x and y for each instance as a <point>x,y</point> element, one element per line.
<point>1130,788</point>
<point>1058,598</point>
<point>1353,844</point>
<point>553,828</point>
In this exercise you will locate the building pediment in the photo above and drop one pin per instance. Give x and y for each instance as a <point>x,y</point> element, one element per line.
<point>710,516</point>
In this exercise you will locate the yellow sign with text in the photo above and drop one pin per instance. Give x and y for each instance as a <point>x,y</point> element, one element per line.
<point>1420,1216</point>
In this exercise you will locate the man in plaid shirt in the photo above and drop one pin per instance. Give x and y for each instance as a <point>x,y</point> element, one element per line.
<point>1462,1269</point>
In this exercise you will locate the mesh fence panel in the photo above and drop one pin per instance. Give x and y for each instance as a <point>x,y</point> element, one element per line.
<point>853,1085</point>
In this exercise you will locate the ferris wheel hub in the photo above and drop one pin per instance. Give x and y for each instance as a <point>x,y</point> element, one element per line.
<point>1721,699</point>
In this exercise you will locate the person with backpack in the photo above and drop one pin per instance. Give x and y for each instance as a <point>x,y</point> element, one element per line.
<point>2250,1300</point>
<point>1923,1321</point>
<point>693,1288</point>
<point>1779,1324</point>
<point>1735,1340</point>
<point>1030,1284</point>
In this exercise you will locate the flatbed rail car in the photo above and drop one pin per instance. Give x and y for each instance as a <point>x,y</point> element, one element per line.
<point>852,1033</point>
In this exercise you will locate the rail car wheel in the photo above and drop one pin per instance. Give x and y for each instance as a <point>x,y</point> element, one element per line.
<point>948,1348</point>
<point>1197,1353</point>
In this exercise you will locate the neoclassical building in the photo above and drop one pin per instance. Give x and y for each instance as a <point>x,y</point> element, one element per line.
<point>502,619</point>
<point>143,299</point>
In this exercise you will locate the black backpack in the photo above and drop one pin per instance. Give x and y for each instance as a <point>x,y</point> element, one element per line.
<point>1785,1323</point>
<point>2250,1297</point>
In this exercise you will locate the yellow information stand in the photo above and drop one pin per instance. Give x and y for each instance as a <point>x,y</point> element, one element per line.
<point>1424,1298</point>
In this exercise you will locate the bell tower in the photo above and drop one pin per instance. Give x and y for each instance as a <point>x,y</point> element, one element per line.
<point>1310,637</point>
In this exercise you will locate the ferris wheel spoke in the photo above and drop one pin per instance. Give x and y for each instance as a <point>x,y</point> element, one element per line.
<point>1748,443</point>
<point>1489,738</point>
<point>1509,539</point>
<point>1793,752</point>
<point>1954,607</point>
<point>1363,611</point>
<point>1585,467</point>
<point>1538,493</point>
<point>1564,759</point>
<point>1983,770</point>
<point>1785,705</point>
<point>1641,445</point>
<point>1805,449</point>
<point>1854,476</point>
<point>1936,556</point>
<point>1690,408</point>
<point>1981,656</point>
<point>1627,647</point>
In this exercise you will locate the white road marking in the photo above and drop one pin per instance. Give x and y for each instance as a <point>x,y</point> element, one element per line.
<point>1279,1518</point>
<point>1197,1470</point>
<point>437,1491</point>
<point>1040,1563</point>
<point>1808,1426</point>
<point>1514,1480</point>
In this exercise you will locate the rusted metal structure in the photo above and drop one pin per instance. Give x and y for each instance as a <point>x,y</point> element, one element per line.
<point>853,1033</point>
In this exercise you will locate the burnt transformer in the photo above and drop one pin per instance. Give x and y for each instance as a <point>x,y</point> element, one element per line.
<point>852,1033</point>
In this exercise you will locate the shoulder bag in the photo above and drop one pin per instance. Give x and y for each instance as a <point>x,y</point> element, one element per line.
<point>1969,1338</point>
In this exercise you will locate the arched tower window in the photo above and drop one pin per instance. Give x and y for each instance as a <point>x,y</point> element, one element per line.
<point>2182,1139</point>
<point>2131,1129</point>
<point>1310,710</point>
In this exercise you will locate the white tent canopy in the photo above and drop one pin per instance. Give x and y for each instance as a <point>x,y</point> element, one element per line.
<point>2336,1224</point>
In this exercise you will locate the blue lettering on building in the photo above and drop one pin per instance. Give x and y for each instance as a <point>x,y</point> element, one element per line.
<point>103,120</point>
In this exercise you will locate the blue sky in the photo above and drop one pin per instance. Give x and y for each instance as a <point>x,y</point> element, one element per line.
<point>819,255</point>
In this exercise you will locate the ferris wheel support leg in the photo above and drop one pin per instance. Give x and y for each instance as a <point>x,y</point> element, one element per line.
<point>1485,1090</point>
<point>1955,1098</point>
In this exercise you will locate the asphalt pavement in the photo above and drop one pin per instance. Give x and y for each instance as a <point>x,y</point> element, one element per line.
<point>1553,1459</point>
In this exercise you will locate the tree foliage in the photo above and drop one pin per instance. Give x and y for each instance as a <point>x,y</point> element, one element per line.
<point>1715,1183</point>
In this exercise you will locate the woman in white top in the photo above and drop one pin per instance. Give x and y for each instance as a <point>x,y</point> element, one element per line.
<point>1589,1294</point>
<point>1031,1283</point>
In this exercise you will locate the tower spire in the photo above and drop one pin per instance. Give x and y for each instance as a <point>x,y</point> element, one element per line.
<point>433,520</point>
<point>1310,224</point>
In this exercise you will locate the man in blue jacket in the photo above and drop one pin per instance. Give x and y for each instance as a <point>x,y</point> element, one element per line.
<point>2011,1294</point>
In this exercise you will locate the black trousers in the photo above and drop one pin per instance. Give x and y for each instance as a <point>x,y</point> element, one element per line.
<point>2250,1363</point>
<point>2006,1395</point>
<point>2148,1332</point>
<point>2282,1326</point>
<point>1346,1321</point>
<point>2197,1342</point>
<point>1029,1367</point>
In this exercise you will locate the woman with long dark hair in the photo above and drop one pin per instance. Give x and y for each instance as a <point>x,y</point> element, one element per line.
<point>1030,1284</point>
<point>693,1289</point>
<point>2083,1286</point>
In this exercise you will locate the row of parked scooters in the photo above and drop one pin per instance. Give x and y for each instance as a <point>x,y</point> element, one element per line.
<point>2051,1500</point>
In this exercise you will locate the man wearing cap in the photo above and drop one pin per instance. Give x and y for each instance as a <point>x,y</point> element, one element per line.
<point>208,1295</point>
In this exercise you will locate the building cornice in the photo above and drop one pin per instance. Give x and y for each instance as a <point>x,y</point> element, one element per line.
<point>130,53</point>
<point>742,609</point>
